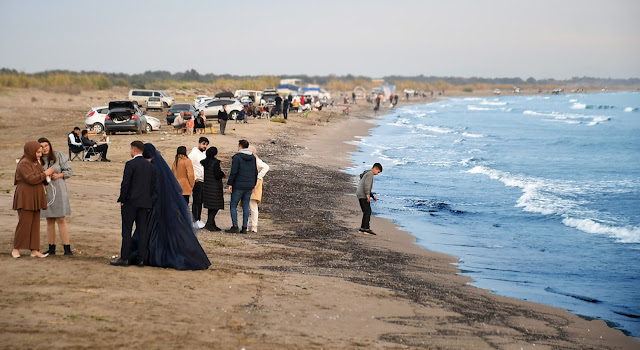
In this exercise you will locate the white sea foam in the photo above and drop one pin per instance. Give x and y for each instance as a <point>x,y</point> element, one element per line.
<point>571,118</point>
<point>579,106</point>
<point>468,134</point>
<point>631,109</point>
<point>490,103</point>
<point>476,108</point>
<point>573,100</point>
<point>598,120</point>
<point>622,234</point>
<point>436,129</point>
<point>548,197</point>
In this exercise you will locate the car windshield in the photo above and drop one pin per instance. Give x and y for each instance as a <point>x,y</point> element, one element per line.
<point>164,94</point>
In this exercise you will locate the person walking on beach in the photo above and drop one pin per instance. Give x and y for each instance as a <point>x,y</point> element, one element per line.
<point>197,155</point>
<point>242,181</point>
<point>364,196</point>
<point>58,206</point>
<point>223,116</point>
<point>28,199</point>
<point>137,194</point>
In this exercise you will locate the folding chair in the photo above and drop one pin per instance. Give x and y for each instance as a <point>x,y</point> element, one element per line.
<point>75,155</point>
<point>90,151</point>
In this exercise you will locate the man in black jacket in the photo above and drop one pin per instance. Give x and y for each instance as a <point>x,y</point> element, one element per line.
<point>98,148</point>
<point>137,195</point>
<point>242,181</point>
<point>223,116</point>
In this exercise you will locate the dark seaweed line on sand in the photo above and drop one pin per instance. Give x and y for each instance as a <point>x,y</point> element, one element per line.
<point>302,200</point>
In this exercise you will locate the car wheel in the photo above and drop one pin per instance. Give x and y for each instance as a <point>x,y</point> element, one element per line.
<point>149,128</point>
<point>98,128</point>
<point>165,105</point>
<point>233,115</point>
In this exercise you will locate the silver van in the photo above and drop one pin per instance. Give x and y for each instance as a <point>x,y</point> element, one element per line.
<point>141,97</point>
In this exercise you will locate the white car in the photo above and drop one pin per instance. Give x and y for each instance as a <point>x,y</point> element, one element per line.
<point>212,107</point>
<point>153,123</point>
<point>95,118</point>
<point>199,99</point>
<point>154,103</point>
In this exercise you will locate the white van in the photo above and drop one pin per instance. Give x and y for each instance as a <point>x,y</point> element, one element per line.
<point>141,97</point>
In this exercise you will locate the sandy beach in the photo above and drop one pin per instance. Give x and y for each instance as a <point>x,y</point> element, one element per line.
<point>307,279</point>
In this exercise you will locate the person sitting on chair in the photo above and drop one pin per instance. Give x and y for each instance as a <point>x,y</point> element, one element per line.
<point>102,149</point>
<point>74,141</point>
<point>179,123</point>
<point>200,123</point>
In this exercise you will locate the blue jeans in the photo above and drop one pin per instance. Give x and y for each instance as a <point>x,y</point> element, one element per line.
<point>236,196</point>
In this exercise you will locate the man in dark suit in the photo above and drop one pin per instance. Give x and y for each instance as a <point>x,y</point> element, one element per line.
<point>137,194</point>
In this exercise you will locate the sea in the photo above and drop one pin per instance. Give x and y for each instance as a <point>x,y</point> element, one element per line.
<point>537,196</point>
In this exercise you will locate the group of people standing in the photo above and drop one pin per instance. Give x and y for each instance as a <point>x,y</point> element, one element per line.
<point>41,190</point>
<point>156,197</point>
<point>153,195</point>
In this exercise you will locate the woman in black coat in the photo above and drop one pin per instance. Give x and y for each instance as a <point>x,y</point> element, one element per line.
<point>213,189</point>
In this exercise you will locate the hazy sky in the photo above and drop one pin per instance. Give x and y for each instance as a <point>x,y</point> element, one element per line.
<point>510,38</point>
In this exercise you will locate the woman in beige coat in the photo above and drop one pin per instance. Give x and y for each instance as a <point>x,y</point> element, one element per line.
<point>182,168</point>
<point>256,196</point>
<point>28,199</point>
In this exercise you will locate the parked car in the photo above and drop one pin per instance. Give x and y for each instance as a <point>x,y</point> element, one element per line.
<point>153,123</point>
<point>188,109</point>
<point>125,116</point>
<point>199,99</point>
<point>269,99</point>
<point>212,107</point>
<point>154,103</point>
<point>245,100</point>
<point>95,118</point>
<point>141,96</point>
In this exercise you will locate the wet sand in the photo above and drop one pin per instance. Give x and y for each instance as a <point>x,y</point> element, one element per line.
<point>306,280</point>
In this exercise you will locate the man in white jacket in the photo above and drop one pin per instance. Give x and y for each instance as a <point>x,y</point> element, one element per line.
<point>196,155</point>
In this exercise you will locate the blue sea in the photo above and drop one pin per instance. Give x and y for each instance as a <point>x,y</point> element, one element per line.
<point>538,196</point>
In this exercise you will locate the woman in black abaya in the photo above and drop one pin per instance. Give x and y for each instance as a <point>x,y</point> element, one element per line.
<point>172,240</point>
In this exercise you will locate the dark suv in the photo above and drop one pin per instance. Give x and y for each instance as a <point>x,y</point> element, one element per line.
<point>125,116</point>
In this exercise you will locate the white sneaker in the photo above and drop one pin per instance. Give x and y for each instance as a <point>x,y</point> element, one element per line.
<point>195,225</point>
<point>200,224</point>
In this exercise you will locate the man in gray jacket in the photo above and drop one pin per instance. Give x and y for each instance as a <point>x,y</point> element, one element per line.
<point>364,196</point>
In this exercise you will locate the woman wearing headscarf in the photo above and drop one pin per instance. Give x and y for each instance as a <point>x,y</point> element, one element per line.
<point>28,199</point>
<point>182,168</point>
<point>256,196</point>
<point>58,206</point>
<point>213,195</point>
<point>172,240</point>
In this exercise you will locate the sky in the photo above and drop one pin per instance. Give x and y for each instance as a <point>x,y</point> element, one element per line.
<point>465,38</point>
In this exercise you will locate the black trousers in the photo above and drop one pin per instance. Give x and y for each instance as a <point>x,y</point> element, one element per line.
<point>140,216</point>
<point>285,112</point>
<point>196,207</point>
<point>366,212</point>
<point>100,149</point>
<point>186,198</point>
